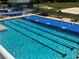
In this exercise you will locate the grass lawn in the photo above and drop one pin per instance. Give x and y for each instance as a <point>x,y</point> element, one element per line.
<point>58,6</point>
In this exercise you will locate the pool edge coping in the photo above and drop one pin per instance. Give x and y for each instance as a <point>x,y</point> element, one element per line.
<point>5,53</point>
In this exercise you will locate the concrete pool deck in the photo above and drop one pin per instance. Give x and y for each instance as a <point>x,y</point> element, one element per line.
<point>9,18</point>
<point>5,53</point>
<point>63,19</point>
<point>2,28</point>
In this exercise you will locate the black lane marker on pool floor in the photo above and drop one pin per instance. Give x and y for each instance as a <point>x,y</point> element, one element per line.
<point>63,55</point>
<point>56,35</point>
<point>66,45</point>
<point>71,48</point>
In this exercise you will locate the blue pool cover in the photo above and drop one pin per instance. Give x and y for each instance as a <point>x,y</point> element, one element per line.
<point>11,12</point>
<point>56,23</point>
<point>16,12</point>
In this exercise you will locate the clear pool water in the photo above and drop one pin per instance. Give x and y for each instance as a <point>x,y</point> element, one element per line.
<point>29,40</point>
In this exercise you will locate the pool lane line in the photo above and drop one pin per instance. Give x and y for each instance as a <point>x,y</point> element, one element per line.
<point>28,29</point>
<point>63,54</point>
<point>66,45</point>
<point>71,48</point>
<point>58,36</point>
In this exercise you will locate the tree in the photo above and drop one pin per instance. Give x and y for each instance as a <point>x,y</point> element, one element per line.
<point>3,1</point>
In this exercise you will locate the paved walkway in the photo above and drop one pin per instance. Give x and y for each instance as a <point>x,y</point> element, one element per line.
<point>9,18</point>
<point>64,19</point>
<point>5,53</point>
<point>74,10</point>
<point>2,28</point>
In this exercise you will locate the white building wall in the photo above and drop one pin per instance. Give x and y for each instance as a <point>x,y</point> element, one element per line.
<point>17,1</point>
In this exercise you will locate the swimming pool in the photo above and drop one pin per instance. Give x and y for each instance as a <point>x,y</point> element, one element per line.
<point>26,39</point>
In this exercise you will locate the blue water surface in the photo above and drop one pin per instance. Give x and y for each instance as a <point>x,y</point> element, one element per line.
<point>28,40</point>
